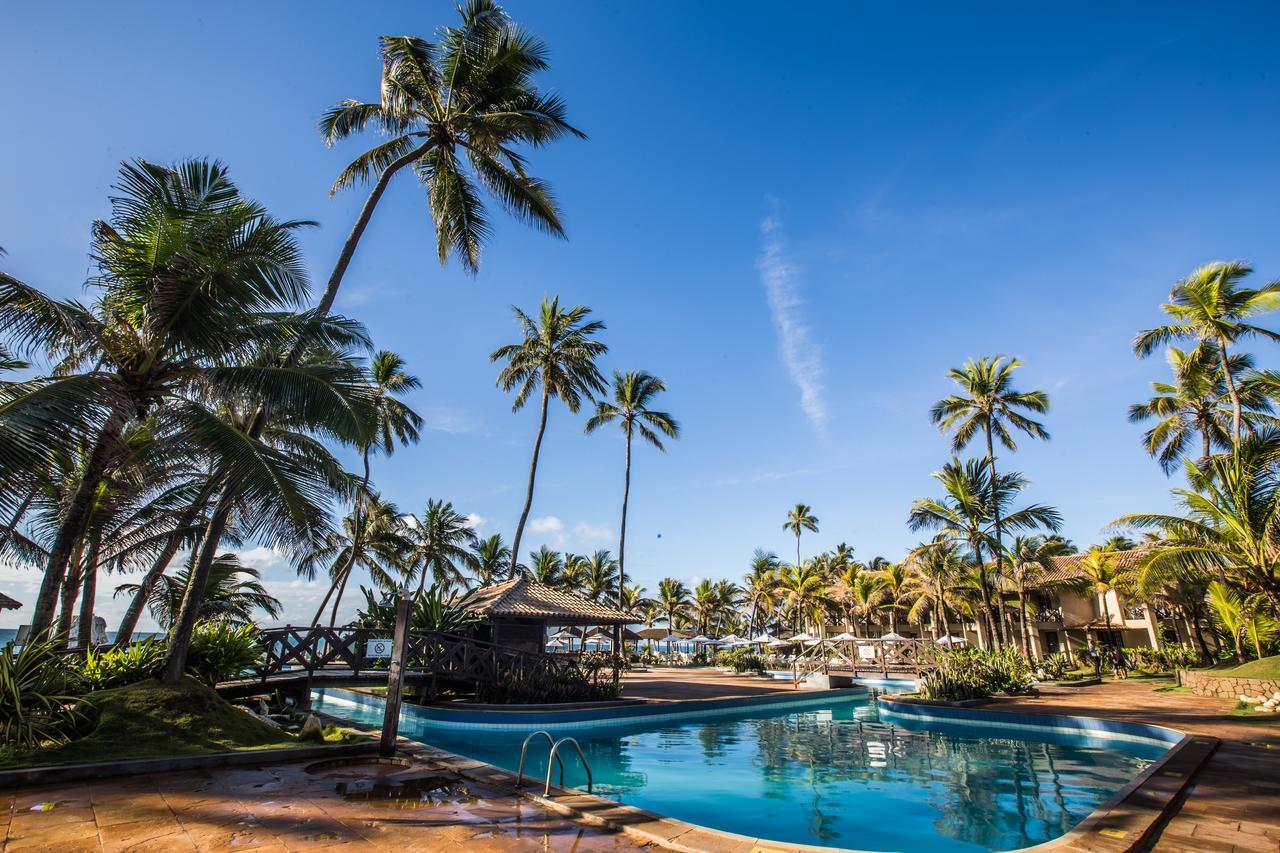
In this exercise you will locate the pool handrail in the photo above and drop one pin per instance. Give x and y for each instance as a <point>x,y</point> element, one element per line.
<point>524,748</point>
<point>555,749</point>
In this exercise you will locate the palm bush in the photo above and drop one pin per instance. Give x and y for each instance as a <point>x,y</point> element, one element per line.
<point>976,674</point>
<point>122,665</point>
<point>36,705</point>
<point>1054,666</point>
<point>221,649</point>
<point>740,660</point>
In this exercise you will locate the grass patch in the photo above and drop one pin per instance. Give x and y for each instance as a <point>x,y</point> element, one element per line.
<point>1172,688</point>
<point>1268,668</point>
<point>153,720</point>
<point>1243,712</point>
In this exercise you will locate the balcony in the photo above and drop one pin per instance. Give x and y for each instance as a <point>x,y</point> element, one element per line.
<point>1052,616</point>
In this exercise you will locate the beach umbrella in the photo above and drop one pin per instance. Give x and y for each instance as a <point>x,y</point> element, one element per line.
<point>952,641</point>
<point>845,637</point>
<point>802,638</point>
<point>730,640</point>
<point>775,643</point>
<point>700,639</point>
<point>893,637</point>
<point>763,639</point>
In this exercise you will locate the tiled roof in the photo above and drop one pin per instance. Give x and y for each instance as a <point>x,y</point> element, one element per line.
<point>524,597</point>
<point>1068,568</point>
<point>7,603</point>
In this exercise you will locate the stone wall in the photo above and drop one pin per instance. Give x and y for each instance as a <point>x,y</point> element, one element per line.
<point>1208,684</point>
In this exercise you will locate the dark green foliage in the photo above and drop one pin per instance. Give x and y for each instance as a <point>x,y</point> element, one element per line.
<point>740,660</point>
<point>432,611</point>
<point>221,650</point>
<point>976,674</point>
<point>123,665</point>
<point>1055,666</point>
<point>36,705</point>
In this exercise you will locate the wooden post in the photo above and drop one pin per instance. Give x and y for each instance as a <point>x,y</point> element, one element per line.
<point>395,676</point>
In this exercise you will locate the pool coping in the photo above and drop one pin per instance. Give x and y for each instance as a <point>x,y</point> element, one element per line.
<point>1120,824</point>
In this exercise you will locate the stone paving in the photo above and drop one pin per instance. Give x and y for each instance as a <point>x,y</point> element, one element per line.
<point>1233,803</point>
<point>284,808</point>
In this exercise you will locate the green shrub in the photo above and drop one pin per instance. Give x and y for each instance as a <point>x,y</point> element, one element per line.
<point>969,673</point>
<point>740,660</point>
<point>124,665</point>
<point>221,650</point>
<point>1055,667</point>
<point>36,705</point>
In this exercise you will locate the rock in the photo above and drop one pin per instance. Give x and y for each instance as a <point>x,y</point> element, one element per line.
<point>312,729</point>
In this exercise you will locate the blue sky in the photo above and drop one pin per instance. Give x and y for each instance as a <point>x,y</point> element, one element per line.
<point>800,220</point>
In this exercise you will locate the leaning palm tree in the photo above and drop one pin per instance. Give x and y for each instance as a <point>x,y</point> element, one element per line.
<point>557,358</point>
<point>372,538</point>
<point>441,546</point>
<point>988,405</point>
<point>633,391</point>
<point>468,98</point>
<point>800,518</point>
<point>1196,405</point>
<point>1211,307</point>
<point>234,592</point>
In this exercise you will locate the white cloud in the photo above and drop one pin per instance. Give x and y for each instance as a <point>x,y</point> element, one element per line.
<point>802,357</point>
<point>263,559</point>
<point>451,421</point>
<point>550,527</point>
<point>592,532</point>
<point>476,521</point>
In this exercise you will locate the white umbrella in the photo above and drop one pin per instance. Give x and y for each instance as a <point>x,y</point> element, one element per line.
<point>778,644</point>
<point>846,637</point>
<point>763,638</point>
<point>731,639</point>
<point>802,638</point>
<point>952,641</point>
<point>893,637</point>
<point>700,639</point>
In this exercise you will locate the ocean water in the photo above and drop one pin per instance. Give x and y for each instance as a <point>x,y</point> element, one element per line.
<point>836,775</point>
<point>8,634</point>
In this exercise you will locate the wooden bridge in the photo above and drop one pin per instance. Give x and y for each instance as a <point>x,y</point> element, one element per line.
<point>296,659</point>
<point>862,658</point>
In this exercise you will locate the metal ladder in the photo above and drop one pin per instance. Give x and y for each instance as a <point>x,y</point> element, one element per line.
<point>554,756</point>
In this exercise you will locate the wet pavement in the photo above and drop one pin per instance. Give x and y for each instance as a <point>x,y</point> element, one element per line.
<point>283,807</point>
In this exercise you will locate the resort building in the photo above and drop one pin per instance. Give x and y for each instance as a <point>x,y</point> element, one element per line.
<point>518,613</point>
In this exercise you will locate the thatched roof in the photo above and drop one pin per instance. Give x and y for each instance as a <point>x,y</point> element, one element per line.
<point>1068,568</point>
<point>7,603</point>
<point>525,598</point>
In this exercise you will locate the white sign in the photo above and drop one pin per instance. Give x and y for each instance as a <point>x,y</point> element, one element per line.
<point>378,649</point>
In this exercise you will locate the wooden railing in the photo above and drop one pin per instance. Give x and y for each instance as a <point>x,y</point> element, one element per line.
<point>882,657</point>
<point>313,649</point>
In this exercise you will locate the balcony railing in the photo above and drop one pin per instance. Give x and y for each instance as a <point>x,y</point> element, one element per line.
<point>1135,611</point>
<point>1053,615</point>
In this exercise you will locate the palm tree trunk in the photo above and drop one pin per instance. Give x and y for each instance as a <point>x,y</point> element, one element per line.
<point>1022,608</point>
<point>192,598</point>
<point>362,222</point>
<point>533,473</point>
<point>942,608</point>
<point>89,591</point>
<point>337,599</point>
<point>995,512</point>
<point>73,523</point>
<point>986,593</point>
<point>339,584</point>
<point>797,547</point>
<point>1231,392</point>
<point>622,532</point>
<point>70,591</point>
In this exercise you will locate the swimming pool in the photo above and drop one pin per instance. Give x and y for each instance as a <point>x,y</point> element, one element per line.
<point>830,773</point>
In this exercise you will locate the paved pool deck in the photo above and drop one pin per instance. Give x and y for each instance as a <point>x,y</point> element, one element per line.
<point>1233,803</point>
<point>675,684</point>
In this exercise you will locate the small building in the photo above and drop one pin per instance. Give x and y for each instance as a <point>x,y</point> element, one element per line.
<point>7,603</point>
<point>518,612</point>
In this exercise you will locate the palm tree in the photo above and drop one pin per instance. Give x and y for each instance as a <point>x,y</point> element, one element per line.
<point>204,273</point>
<point>988,404</point>
<point>469,96</point>
<point>966,513</point>
<point>1101,574</point>
<point>802,590</point>
<point>728,596</point>
<point>600,577</point>
<point>442,542</point>
<point>865,595</point>
<point>1197,402</point>
<point>898,589</point>
<point>1210,307</point>
<point>633,391</point>
<point>492,560</point>
<point>760,587</point>
<point>234,592</point>
<point>1230,524</point>
<point>1029,558</point>
<point>674,601</point>
<point>558,356</point>
<point>634,600</point>
<point>800,518</point>
<point>706,604</point>
<point>939,565</point>
<point>394,423</point>
<point>373,538</point>
<point>547,566</point>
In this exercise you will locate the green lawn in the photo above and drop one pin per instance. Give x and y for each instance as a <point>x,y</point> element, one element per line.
<point>1260,668</point>
<point>151,720</point>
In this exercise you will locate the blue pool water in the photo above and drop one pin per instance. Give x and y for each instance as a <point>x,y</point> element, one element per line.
<point>832,773</point>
